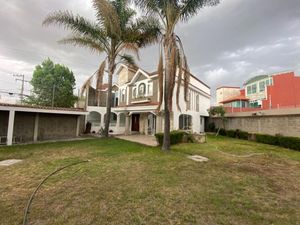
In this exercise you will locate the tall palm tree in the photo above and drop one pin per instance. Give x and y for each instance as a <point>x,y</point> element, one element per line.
<point>115,33</point>
<point>170,13</point>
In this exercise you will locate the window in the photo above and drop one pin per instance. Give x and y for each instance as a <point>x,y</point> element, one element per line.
<point>142,89</point>
<point>94,118</point>
<point>267,82</point>
<point>189,103</point>
<point>197,103</point>
<point>262,86</point>
<point>123,95</point>
<point>134,92</point>
<point>249,90</point>
<point>185,122</point>
<point>150,89</point>
<point>113,119</point>
<point>254,88</point>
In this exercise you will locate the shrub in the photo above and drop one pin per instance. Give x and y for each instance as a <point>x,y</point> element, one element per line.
<point>231,133</point>
<point>211,127</point>
<point>175,136</point>
<point>222,132</point>
<point>242,135</point>
<point>289,142</point>
<point>267,139</point>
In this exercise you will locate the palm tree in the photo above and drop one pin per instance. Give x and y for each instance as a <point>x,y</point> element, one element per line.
<point>170,13</point>
<point>115,33</point>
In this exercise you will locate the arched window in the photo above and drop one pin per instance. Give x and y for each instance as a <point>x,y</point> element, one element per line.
<point>113,119</point>
<point>122,120</point>
<point>185,122</point>
<point>142,89</point>
<point>94,118</point>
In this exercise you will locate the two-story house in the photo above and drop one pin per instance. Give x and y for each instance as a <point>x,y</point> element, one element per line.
<point>135,102</point>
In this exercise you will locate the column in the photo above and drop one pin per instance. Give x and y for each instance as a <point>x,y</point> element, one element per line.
<point>10,128</point>
<point>36,127</point>
<point>127,124</point>
<point>78,126</point>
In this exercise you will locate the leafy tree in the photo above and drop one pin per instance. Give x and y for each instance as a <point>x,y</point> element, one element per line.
<point>170,13</point>
<point>53,85</point>
<point>220,112</point>
<point>115,33</point>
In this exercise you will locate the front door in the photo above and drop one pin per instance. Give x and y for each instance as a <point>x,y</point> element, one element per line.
<point>135,125</point>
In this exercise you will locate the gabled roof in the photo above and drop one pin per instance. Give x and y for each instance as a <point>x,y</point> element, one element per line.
<point>236,98</point>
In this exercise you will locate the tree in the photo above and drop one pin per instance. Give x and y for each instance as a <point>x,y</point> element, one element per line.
<point>170,13</point>
<point>220,112</point>
<point>115,33</point>
<point>53,85</point>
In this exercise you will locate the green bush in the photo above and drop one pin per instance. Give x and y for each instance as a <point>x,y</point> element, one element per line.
<point>289,142</point>
<point>175,136</point>
<point>242,135</point>
<point>222,132</point>
<point>267,139</point>
<point>231,133</point>
<point>211,127</point>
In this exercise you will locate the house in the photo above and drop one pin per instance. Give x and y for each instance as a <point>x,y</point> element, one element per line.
<point>273,91</point>
<point>135,102</point>
<point>24,123</point>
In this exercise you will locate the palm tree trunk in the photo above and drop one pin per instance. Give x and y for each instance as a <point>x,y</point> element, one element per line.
<point>166,141</point>
<point>109,96</point>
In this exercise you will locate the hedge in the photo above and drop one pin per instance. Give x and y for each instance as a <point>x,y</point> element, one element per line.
<point>278,140</point>
<point>175,136</point>
<point>267,139</point>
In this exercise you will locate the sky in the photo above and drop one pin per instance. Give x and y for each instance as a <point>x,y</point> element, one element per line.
<point>225,45</point>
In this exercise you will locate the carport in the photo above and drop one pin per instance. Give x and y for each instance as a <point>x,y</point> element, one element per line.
<point>23,124</point>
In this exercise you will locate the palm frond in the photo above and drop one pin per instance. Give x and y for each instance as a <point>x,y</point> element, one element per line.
<point>191,7</point>
<point>108,17</point>
<point>83,41</point>
<point>127,59</point>
<point>86,85</point>
<point>129,47</point>
<point>100,74</point>
<point>75,23</point>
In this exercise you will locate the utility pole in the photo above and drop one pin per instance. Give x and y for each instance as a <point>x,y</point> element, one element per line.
<point>22,76</point>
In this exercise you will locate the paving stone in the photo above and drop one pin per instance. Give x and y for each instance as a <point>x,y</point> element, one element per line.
<point>198,158</point>
<point>10,162</point>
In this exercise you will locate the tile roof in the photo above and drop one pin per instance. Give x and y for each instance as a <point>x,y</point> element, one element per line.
<point>236,98</point>
<point>43,107</point>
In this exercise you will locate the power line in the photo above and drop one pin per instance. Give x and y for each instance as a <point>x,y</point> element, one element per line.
<point>22,87</point>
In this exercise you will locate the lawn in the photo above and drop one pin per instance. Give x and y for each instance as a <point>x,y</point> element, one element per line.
<point>128,183</point>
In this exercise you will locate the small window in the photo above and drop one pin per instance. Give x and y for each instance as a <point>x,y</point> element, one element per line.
<point>254,88</point>
<point>262,86</point>
<point>123,95</point>
<point>150,89</point>
<point>134,92</point>
<point>197,103</point>
<point>249,90</point>
<point>267,82</point>
<point>185,122</point>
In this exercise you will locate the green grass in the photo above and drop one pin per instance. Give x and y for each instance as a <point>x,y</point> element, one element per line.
<point>128,183</point>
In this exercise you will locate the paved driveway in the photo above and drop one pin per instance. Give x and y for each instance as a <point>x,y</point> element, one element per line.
<point>142,139</point>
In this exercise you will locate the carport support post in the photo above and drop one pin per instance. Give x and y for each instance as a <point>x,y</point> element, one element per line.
<point>36,127</point>
<point>127,117</point>
<point>78,126</point>
<point>10,129</point>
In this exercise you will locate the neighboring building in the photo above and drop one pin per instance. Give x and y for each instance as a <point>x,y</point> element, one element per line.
<point>135,102</point>
<point>280,90</point>
<point>225,92</point>
<point>23,124</point>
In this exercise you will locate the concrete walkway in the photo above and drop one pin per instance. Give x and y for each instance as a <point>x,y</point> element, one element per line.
<point>142,139</point>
